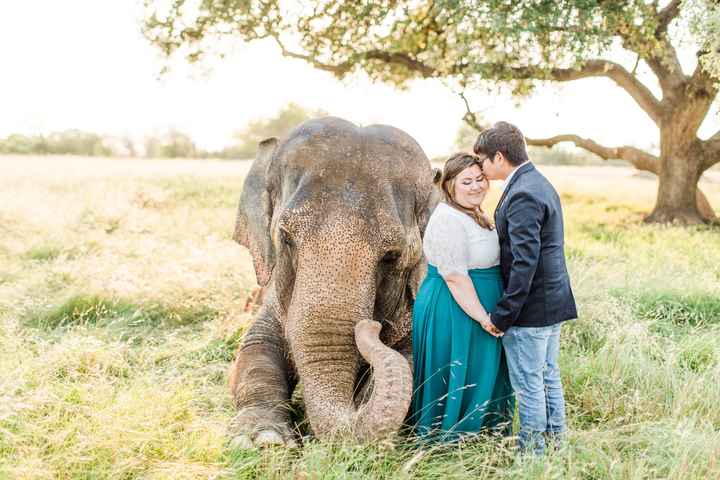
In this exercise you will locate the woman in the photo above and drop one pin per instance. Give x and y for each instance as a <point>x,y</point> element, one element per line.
<point>460,376</point>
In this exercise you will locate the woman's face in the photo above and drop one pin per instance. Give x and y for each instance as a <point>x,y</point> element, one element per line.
<point>471,187</point>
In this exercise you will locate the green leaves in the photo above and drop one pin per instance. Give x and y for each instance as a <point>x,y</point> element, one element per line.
<point>440,38</point>
<point>704,19</point>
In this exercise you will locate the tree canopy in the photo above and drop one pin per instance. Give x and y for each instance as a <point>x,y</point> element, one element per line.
<point>514,42</point>
<point>705,24</point>
<point>396,41</point>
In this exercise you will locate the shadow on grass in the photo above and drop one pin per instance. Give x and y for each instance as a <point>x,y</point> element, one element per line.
<point>99,311</point>
<point>672,313</point>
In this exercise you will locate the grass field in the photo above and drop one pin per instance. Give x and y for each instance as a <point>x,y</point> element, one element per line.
<point>121,304</point>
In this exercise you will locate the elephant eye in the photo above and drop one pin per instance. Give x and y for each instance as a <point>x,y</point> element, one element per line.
<point>391,256</point>
<point>285,238</point>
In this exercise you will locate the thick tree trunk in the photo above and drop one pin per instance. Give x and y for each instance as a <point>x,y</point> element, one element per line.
<point>681,165</point>
<point>672,204</point>
<point>704,207</point>
<point>678,183</point>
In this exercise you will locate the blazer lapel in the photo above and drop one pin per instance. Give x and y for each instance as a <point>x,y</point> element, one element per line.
<point>525,168</point>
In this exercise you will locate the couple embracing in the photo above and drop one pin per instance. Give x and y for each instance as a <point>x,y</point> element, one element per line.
<point>486,321</point>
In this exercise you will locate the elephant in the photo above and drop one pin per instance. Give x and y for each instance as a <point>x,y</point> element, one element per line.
<point>333,216</point>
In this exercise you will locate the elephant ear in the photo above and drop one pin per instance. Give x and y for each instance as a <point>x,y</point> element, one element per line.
<point>252,225</point>
<point>426,204</point>
<point>424,207</point>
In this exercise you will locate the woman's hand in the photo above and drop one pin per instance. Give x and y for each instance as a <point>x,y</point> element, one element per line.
<point>463,291</point>
<point>490,328</point>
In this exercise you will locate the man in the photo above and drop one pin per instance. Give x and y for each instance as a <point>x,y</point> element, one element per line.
<point>537,296</point>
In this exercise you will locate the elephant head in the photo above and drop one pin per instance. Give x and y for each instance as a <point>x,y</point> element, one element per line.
<point>334,216</point>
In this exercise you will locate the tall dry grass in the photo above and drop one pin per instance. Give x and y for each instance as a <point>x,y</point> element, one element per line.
<point>121,300</point>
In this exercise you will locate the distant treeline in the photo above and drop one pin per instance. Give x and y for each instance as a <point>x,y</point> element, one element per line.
<point>168,144</point>
<point>171,144</point>
<point>74,142</point>
<point>177,144</point>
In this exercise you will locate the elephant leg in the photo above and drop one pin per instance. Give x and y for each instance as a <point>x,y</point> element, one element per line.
<point>260,381</point>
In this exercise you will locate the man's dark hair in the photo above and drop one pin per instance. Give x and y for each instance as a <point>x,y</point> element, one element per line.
<point>505,138</point>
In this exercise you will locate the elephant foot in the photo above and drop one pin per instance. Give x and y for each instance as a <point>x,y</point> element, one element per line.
<point>258,428</point>
<point>262,439</point>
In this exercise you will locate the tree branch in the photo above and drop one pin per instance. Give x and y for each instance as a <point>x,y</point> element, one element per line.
<point>660,54</point>
<point>666,67</point>
<point>701,78</point>
<point>470,117</point>
<point>593,68</point>
<point>343,68</point>
<point>403,59</point>
<point>338,70</point>
<point>663,60</point>
<point>600,68</point>
<point>712,151</point>
<point>667,15</point>
<point>638,158</point>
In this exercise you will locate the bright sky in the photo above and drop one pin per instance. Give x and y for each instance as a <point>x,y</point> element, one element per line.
<point>84,64</point>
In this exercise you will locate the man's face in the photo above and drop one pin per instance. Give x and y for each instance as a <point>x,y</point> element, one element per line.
<point>491,167</point>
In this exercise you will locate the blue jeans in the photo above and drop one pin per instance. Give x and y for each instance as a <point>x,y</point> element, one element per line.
<point>532,357</point>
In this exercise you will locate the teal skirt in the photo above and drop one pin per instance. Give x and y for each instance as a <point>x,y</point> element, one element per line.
<point>461,383</point>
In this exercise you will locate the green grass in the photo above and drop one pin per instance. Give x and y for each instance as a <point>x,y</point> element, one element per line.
<point>98,311</point>
<point>119,320</point>
<point>43,253</point>
<point>691,309</point>
<point>603,233</point>
<point>186,190</point>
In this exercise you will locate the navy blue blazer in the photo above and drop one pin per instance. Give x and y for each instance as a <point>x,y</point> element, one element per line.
<point>536,283</point>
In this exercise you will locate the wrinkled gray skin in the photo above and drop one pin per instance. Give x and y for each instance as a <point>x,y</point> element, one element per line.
<point>333,217</point>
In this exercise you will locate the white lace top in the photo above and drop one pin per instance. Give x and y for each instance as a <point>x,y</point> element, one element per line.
<point>454,242</point>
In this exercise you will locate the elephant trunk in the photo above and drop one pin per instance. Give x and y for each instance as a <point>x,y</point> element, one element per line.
<point>329,327</point>
<point>385,411</point>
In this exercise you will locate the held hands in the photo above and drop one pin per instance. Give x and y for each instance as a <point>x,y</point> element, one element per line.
<point>490,328</point>
<point>463,291</point>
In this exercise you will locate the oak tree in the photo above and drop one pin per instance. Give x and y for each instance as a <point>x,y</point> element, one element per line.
<point>519,43</point>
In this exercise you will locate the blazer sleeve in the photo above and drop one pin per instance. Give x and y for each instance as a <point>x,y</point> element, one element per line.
<point>524,223</point>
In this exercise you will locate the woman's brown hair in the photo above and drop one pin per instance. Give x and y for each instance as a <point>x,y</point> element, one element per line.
<point>453,166</point>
